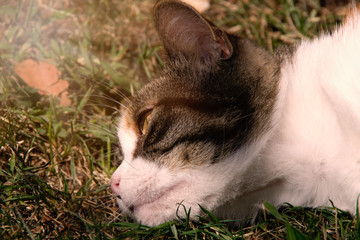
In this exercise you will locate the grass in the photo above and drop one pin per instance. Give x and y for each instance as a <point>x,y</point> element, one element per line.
<point>56,161</point>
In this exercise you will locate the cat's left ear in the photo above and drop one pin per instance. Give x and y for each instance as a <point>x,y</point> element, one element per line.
<point>185,33</point>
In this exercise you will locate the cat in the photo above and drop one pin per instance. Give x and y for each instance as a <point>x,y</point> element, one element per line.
<point>199,5</point>
<point>229,125</point>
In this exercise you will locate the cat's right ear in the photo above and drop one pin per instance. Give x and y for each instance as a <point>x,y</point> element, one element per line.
<point>186,34</point>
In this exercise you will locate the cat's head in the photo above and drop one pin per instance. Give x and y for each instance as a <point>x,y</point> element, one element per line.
<point>190,135</point>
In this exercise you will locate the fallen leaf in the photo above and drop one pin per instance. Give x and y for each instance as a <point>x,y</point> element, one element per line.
<point>45,78</point>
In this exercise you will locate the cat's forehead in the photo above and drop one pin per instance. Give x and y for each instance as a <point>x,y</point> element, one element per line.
<point>167,88</point>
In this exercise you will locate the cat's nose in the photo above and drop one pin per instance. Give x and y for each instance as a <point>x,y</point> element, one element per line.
<point>115,187</point>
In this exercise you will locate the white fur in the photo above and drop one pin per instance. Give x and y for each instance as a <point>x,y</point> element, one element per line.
<point>200,5</point>
<point>317,143</point>
<point>310,156</point>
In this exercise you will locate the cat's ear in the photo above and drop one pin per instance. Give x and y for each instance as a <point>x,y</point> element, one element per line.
<point>185,33</point>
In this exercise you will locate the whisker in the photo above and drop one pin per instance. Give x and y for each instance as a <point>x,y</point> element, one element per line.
<point>94,126</point>
<point>115,90</point>
<point>108,98</point>
<point>116,108</point>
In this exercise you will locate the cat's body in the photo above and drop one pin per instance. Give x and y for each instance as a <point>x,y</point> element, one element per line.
<point>229,126</point>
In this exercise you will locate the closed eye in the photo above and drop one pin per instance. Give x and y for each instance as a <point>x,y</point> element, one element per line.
<point>144,121</point>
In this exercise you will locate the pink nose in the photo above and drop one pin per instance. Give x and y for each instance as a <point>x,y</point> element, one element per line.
<point>114,184</point>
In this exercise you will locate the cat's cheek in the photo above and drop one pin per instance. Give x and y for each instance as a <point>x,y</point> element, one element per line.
<point>179,200</point>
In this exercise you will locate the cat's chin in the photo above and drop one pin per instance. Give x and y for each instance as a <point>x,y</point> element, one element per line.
<point>155,213</point>
<point>149,214</point>
<point>160,210</point>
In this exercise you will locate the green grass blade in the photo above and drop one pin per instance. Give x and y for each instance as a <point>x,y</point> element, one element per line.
<point>273,211</point>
